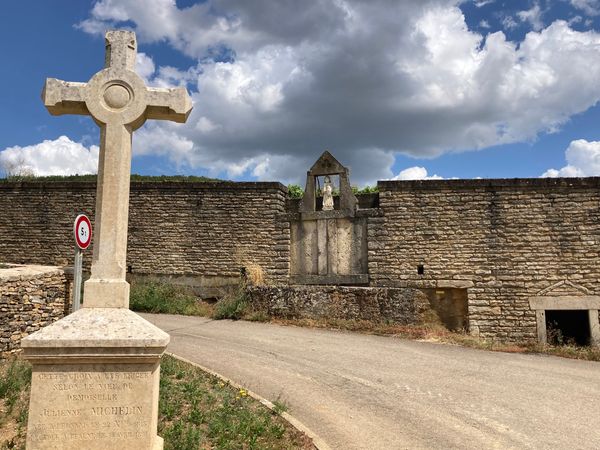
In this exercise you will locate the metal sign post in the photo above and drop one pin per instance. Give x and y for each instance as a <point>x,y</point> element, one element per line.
<point>83,237</point>
<point>77,269</point>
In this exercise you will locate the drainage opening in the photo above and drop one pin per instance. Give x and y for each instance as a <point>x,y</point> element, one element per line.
<point>568,327</point>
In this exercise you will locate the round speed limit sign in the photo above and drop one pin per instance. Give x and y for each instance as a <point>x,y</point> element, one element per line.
<point>83,231</point>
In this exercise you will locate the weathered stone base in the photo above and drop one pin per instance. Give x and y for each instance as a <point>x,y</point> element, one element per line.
<point>95,382</point>
<point>394,305</point>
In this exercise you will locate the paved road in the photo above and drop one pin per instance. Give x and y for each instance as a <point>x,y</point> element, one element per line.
<point>369,392</point>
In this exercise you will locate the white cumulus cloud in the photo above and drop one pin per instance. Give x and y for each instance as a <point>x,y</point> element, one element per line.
<point>61,156</point>
<point>416,173</point>
<point>583,160</point>
<point>144,66</point>
<point>366,80</point>
<point>590,7</point>
<point>533,16</point>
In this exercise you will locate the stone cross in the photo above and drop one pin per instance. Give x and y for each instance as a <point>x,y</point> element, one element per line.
<point>119,102</point>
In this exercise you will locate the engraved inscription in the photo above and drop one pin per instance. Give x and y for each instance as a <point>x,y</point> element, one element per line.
<point>61,412</point>
<point>116,410</point>
<point>101,406</point>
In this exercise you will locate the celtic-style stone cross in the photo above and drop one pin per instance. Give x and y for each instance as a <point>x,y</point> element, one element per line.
<point>119,102</point>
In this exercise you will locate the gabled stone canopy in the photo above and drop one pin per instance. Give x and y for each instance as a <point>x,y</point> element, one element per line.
<point>328,165</point>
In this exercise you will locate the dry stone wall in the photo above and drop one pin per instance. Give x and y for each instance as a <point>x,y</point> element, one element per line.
<point>207,230</point>
<point>31,297</point>
<point>395,305</point>
<point>502,240</point>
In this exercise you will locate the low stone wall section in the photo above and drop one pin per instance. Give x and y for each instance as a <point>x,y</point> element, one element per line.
<point>31,297</point>
<point>392,305</point>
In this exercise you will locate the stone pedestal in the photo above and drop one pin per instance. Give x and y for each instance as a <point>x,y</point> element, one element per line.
<point>95,382</point>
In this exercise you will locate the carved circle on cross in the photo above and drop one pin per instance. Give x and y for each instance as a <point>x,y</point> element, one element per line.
<point>117,96</point>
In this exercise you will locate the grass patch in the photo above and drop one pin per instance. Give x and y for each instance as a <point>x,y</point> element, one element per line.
<point>164,298</point>
<point>196,410</point>
<point>156,297</point>
<point>256,316</point>
<point>15,379</point>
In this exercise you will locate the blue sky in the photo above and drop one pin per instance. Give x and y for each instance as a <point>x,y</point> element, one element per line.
<point>394,89</point>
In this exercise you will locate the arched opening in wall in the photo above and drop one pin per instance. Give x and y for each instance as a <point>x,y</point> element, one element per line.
<point>568,327</point>
<point>451,307</point>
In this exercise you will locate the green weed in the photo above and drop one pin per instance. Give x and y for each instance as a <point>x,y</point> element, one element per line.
<point>15,380</point>
<point>233,304</point>
<point>295,191</point>
<point>156,297</point>
<point>280,406</point>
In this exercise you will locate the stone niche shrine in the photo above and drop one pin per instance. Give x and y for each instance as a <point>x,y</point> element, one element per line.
<point>95,374</point>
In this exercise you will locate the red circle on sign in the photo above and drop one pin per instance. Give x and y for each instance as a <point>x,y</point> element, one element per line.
<point>83,231</point>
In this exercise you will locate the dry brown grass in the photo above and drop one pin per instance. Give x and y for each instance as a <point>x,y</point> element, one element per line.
<point>255,275</point>
<point>434,332</point>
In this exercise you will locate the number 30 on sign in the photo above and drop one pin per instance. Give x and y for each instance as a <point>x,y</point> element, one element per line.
<point>83,231</point>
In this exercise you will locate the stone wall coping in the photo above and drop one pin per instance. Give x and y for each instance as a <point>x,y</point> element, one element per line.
<point>489,183</point>
<point>147,185</point>
<point>17,272</point>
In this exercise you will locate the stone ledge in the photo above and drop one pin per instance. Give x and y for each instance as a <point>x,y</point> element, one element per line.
<point>16,272</point>
<point>428,284</point>
<point>454,284</point>
<point>333,214</point>
<point>329,279</point>
<point>565,302</point>
<point>98,328</point>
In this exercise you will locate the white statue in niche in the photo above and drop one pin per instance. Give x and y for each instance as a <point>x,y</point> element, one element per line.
<point>327,195</point>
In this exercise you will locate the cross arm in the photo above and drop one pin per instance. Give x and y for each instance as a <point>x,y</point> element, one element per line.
<point>172,104</point>
<point>64,97</point>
